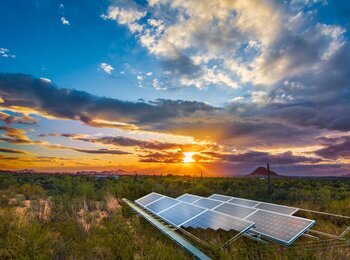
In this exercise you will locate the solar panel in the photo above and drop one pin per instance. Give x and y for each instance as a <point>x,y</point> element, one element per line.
<point>244,202</point>
<point>281,228</point>
<point>188,198</point>
<point>277,208</point>
<point>180,213</point>
<point>235,210</point>
<point>220,197</point>
<point>162,204</point>
<point>272,221</point>
<point>149,198</point>
<point>207,203</point>
<point>216,220</point>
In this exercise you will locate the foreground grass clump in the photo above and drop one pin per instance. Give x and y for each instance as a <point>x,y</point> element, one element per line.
<point>66,217</point>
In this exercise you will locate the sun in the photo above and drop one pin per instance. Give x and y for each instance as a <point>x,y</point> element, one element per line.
<point>188,157</point>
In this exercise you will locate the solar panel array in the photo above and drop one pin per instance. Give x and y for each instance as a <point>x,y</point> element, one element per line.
<point>268,220</point>
<point>179,212</point>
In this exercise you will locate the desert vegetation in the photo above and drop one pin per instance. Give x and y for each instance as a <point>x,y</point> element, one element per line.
<point>72,217</point>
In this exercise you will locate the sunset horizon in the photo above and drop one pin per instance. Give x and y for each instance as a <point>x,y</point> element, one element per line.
<point>175,129</point>
<point>175,87</point>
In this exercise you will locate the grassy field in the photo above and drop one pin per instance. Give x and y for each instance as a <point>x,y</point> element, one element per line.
<point>74,217</point>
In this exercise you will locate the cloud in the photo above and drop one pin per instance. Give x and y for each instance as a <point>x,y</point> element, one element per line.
<point>234,43</point>
<point>17,136</point>
<point>64,21</point>
<point>128,17</point>
<point>241,125</point>
<point>256,157</point>
<point>164,157</point>
<point>6,150</point>
<point>100,151</point>
<point>14,135</point>
<point>5,53</point>
<point>334,148</point>
<point>142,145</point>
<point>24,91</point>
<point>106,68</point>
<point>17,118</point>
<point>8,158</point>
<point>46,80</point>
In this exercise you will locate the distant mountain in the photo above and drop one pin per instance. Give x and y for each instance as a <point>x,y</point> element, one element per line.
<point>27,171</point>
<point>346,175</point>
<point>262,172</point>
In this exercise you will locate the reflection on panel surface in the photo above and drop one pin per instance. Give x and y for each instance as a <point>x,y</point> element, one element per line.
<point>282,228</point>
<point>220,197</point>
<point>215,220</point>
<point>148,199</point>
<point>276,208</point>
<point>235,210</point>
<point>207,203</point>
<point>181,213</point>
<point>161,204</point>
<point>244,202</point>
<point>188,198</point>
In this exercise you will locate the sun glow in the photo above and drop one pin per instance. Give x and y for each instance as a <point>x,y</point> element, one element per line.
<point>188,157</point>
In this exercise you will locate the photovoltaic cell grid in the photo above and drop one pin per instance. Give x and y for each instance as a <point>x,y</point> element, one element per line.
<point>281,228</point>
<point>207,203</point>
<point>215,220</point>
<point>162,204</point>
<point>149,198</point>
<point>235,210</point>
<point>256,204</point>
<point>188,198</point>
<point>243,202</point>
<point>177,212</point>
<point>220,197</point>
<point>276,208</point>
<point>181,213</point>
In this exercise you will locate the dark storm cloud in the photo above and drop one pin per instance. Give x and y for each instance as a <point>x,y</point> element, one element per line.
<point>26,91</point>
<point>263,158</point>
<point>236,124</point>
<point>335,148</point>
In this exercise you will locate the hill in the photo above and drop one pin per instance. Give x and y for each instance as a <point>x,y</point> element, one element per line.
<point>262,172</point>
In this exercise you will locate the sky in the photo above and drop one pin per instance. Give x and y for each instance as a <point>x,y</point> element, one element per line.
<point>175,86</point>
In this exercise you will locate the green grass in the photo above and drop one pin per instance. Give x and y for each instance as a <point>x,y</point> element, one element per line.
<point>66,217</point>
